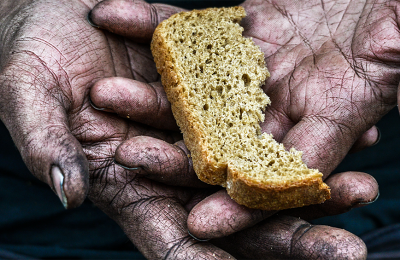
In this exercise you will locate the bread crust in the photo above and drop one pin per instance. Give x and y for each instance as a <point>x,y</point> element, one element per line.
<point>206,168</point>
<point>275,196</point>
<point>244,191</point>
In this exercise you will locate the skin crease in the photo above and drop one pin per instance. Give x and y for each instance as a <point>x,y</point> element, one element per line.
<point>293,241</point>
<point>329,122</point>
<point>49,64</point>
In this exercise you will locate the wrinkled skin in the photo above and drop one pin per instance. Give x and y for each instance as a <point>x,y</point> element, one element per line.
<point>50,58</point>
<point>331,82</point>
<point>46,77</point>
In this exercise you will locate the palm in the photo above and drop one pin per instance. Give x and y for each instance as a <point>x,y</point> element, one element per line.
<point>287,57</point>
<point>328,83</point>
<point>65,57</point>
<point>56,58</point>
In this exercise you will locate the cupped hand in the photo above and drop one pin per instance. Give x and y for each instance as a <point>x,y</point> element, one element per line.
<point>333,73</point>
<point>332,79</point>
<point>333,76</point>
<point>50,59</point>
<point>214,216</point>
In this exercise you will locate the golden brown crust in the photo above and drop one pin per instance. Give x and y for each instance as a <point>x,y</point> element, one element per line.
<point>275,197</point>
<point>244,191</point>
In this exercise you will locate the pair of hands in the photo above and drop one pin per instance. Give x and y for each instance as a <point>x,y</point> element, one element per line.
<point>334,74</point>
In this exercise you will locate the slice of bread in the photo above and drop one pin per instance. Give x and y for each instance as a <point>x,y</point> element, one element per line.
<point>213,76</point>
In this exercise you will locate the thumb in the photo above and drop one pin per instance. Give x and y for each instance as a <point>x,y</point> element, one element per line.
<point>134,19</point>
<point>34,111</point>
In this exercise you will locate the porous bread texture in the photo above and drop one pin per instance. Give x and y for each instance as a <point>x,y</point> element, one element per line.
<point>213,76</point>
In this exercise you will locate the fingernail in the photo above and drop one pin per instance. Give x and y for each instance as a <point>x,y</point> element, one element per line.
<point>369,202</point>
<point>90,21</point>
<point>99,108</point>
<point>128,168</point>
<point>94,106</point>
<point>58,182</point>
<point>198,239</point>
<point>379,136</point>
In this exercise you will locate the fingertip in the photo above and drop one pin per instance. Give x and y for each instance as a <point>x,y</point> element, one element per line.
<point>323,142</point>
<point>145,103</point>
<point>125,151</point>
<point>173,165</point>
<point>120,17</point>
<point>69,197</point>
<point>219,216</point>
<point>133,19</point>
<point>378,139</point>
<point>285,237</point>
<point>58,160</point>
<point>364,203</point>
<point>353,189</point>
<point>204,218</point>
<point>57,178</point>
<point>370,138</point>
<point>75,169</point>
<point>196,238</point>
<point>126,167</point>
<point>101,94</point>
<point>348,190</point>
<point>326,242</point>
<point>90,20</point>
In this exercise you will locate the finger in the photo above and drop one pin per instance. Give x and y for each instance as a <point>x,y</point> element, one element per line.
<point>134,19</point>
<point>152,217</point>
<point>174,243</point>
<point>324,129</point>
<point>138,101</point>
<point>330,142</point>
<point>37,120</point>
<point>284,237</point>
<point>370,138</point>
<point>218,216</point>
<point>324,142</point>
<point>348,190</point>
<point>158,160</point>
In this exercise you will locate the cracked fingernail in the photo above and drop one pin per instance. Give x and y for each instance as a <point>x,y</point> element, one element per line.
<point>58,182</point>
<point>90,21</point>
<point>198,239</point>
<point>128,168</point>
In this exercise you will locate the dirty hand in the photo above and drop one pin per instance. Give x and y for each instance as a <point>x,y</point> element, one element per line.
<point>50,58</point>
<point>331,82</point>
